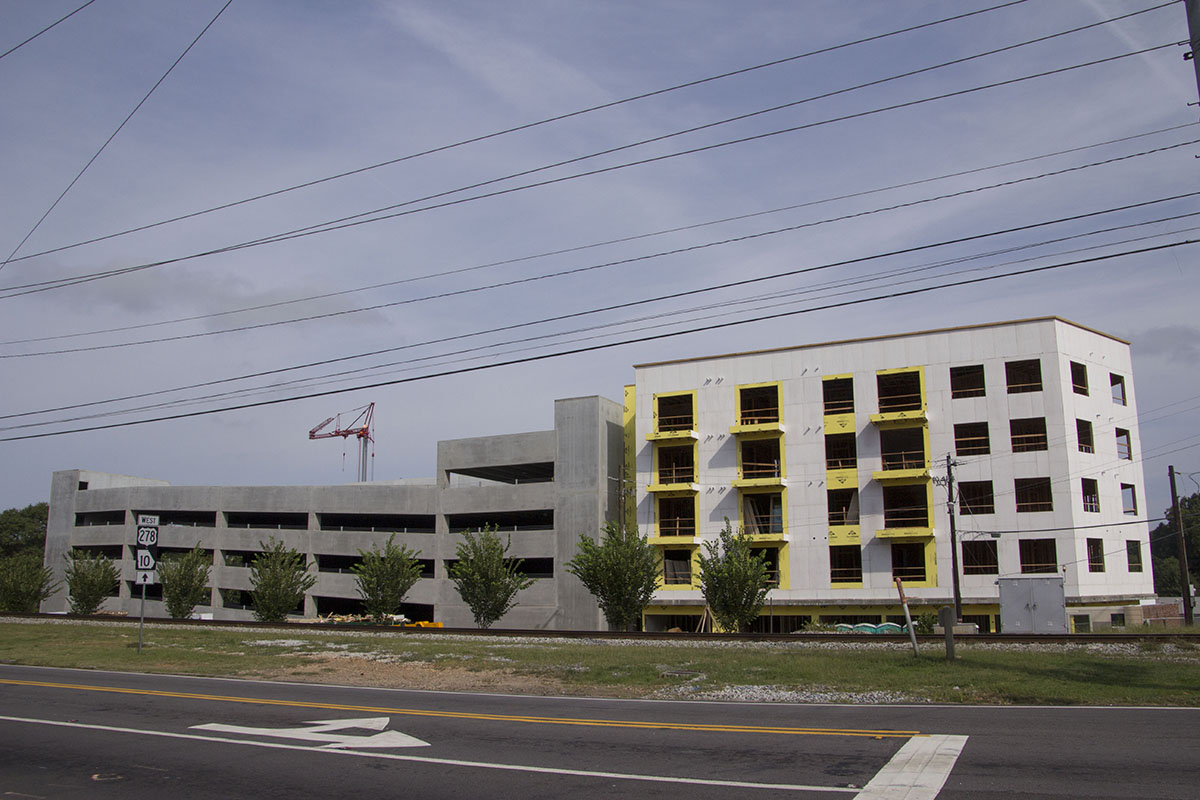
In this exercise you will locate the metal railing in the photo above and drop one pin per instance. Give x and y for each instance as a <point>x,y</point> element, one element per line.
<point>678,422</point>
<point>905,518</point>
<point>899,402</point>
<point>841,462</point>
<point>904,459</point>
<point>759,416</point>
<point>839,407</point>
<point>760,469</point>
<point>843,517</point>
<point>677,527</point>
<point>677,474</point>
<point>1024,442</point>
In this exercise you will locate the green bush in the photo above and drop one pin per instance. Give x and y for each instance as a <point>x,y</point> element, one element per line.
<point>733,579</point>
<point>384,577</point>
<point>621,572</point>
<point>184,581</point>
<point>279,579</point>
<point>485,581</point>
<point>24,583</point>
<point>90,579</point>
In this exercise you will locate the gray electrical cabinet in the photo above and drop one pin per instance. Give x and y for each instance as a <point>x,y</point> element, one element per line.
<point>1030,604</point>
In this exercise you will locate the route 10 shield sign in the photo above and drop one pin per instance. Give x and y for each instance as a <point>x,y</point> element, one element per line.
<point>146,552</point>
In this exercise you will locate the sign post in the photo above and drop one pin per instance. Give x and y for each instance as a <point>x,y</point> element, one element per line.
<point>146,558</point>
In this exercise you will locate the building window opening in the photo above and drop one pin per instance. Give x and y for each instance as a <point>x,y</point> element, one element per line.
<point>908,561</point>
<point>971,439</point>
<point>677,567</point>
<point>1133,555</point>
<point>905,507</point>
<point>758,405</point>
<point>845,563</point>
<point>1091,495</point>
<point>676,516</point>
<point>1023,376</point>
<point>770,557</point>
<point>289,521</point>
<point>1118,388</point>
<point>89,518</point>
<point>841,451</point>
<point>976,497</point>
<point>902,448</point>
<point>763,514</point>
<point>676,464</point>
<point>377,523</point>
<point>838,394</point>
<point>899,391</point>
<point>1124,445</point>
<point>1128,499</point>
<point>980,557</point>
<point>843,506</point>
<point>540,519</point>
<point>113,552</point>
<point>1028,434</point>
<point>967,382</point>
<point>341,564</point>
<point>1034,494</point>
<point>1083,432</point>
<point>1038,556</point>
<point>1079,382</point>
<point>1095,553</point>
<point>675,413</point>
<point>760,458</point>
<point>82,486</point>
<point>347,606</point>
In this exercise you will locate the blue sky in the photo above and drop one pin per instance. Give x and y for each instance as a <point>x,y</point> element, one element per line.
<point>280,93</point>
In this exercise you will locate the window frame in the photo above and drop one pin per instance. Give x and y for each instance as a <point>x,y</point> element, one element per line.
<point>1079,371</point>
<point>1080,426</point>
<point>966,377</point>
<point>1035,486</point>
<point>973,564</point>
<point>961,434</point>
<point>1013,373</point>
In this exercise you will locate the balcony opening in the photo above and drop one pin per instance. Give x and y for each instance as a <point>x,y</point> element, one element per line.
<point>761,458</point>
<point>905,507</point>
<point>780,623</point>
<point>762,514</point>
<point>677,567</point>
<point>899,391</point>
<point>1095,553</point>
<point>341,606</point>
<point>758,405</point>
<point>89,518</point>
<point>113,552</point>
<point>511,474</point>
<point>841,451</point>
<point>185,519</point>
<point>340,564</point>
<point>843,506</point>
<point>153,590</point>
<point>1079,381</point>
<point>238,558</point>
<point>1091,495</point>
<point>902,448</point>
<point>536,568</point>
<point>377,523</point>
<point>770,557</point>
<point>267,520</point>
<point>1124,445</point>
<point>676,516</point>
<point>976,497</point>
<point>967,382</point>
<point>674,412</point>
<point>236,599</point>
<point>971,439</point>
<point>1038,556</point>
<point>676,464</point>
<point>1133,555</point>
<point>1128,499</point>
<point>908,561</point>
<point>540,519</point>
<point>1118,388</point>
<point>1033,495</point>
<point>980,557</point>
<point>1083,432</point>
<point>838,395</point>
<point>1023,376</point>
<point>845,563</point>
<point>1028,434</point>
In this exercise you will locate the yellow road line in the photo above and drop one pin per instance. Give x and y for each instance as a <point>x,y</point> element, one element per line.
<point>418,712</point>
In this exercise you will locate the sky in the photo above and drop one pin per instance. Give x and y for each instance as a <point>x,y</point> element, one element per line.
<point>872,148</point>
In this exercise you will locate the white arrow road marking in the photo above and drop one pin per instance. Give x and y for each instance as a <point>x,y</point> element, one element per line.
<point>918,771</point>
<point>320,732</point>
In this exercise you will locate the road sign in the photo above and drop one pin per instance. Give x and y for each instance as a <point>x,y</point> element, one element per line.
<point>146,554</point>
<point>146,578</point>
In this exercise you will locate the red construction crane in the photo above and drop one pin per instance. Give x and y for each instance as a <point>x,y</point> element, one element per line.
<point>360,427</point>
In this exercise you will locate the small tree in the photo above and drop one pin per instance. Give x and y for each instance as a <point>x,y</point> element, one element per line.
<point>89,580</point>
<point>485,581</point>
<point>733,579</point>
<point>621,572</point>
<point>24,583</point>
<point>384,578</point>
<point>279,579</point>
<point>184,581</point>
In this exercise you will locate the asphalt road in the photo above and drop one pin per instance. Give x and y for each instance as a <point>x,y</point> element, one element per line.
<point>76,733</point>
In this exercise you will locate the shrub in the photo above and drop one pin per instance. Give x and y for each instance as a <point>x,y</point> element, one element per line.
<point>620,571</point>
<point>24,583</point>
<point>485,581</point>
<point>184,581</point>
<point>733,579</point>
<point>384,578</point>
<point>89,580</point>
<point>279,579</point>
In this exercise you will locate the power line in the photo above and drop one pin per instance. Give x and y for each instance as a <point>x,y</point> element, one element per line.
<point>528,126</point>
<point>591,245</point>
<point>92,160</point>
<point>16,47</point>
<point>578,270</point>
<point>355,220</point>
<point>605,346</point>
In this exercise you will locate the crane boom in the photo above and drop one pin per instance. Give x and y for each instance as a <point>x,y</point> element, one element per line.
<point>359,427</point>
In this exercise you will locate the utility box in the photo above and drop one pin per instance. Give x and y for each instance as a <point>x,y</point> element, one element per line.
<point>1031,604</point>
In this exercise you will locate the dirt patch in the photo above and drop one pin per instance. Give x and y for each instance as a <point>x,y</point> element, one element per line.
<point>348,670</point>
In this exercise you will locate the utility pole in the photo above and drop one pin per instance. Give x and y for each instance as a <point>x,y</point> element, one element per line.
<point>954,534</point>
<point>1185,584</point>
<point>1193,17</point>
